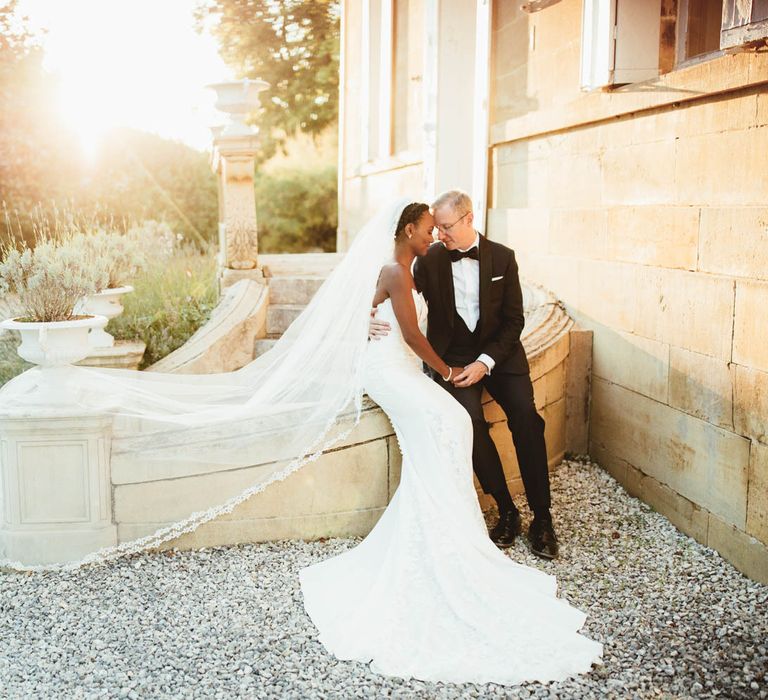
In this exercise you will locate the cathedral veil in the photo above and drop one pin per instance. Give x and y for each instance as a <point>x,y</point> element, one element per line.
<point>263,421</point>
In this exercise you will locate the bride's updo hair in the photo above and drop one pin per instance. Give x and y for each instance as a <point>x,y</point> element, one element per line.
<point>411,215</point>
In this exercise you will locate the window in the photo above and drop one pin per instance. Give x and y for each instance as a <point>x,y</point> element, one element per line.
<point>698,28</point>
<point>387,99</point>
<point>628,41</point>
<point>377,45</point>
<point>401,77</point>
<point>744,22</point>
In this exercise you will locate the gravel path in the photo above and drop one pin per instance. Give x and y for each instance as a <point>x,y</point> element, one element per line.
<point>677,621</point>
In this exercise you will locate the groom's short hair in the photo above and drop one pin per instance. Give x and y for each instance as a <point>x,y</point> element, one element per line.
<point>458,200</point>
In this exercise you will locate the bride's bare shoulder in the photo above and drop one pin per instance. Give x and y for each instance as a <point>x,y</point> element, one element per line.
<point>394,273</point>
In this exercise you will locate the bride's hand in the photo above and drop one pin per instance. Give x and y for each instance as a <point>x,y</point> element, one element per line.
<point>377,329</point>
<point>469,375</point>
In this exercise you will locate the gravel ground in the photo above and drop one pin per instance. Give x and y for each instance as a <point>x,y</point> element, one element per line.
<point>676,620</point>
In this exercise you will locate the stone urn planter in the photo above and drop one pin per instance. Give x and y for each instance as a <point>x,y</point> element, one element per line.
<point>107,303</point>
<point>55,343</point>
<point>54,346</point>
<point>238,99</point>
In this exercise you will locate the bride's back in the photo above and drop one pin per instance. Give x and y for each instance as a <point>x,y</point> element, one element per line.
<point>392,347</point>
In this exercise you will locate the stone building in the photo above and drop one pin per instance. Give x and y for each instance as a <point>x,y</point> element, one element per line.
<point>620,150</point>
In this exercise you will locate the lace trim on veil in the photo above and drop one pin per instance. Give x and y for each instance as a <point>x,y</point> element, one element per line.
<point>317,365</point>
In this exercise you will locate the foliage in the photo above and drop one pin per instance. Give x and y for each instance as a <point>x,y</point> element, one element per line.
<point>73,257</point>
<point>173,297</point>
<point>297,210</point>
<point>294,46</point>
<point>141,176</point>
<point>156,239</point>
<point>38,162</point>
<point>137,176</point>
<point>48,280</point>
<point>10,362</point>
<point>117,258</point>
<point>15,38</point>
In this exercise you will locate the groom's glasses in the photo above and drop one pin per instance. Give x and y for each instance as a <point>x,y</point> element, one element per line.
<point>447,227</point>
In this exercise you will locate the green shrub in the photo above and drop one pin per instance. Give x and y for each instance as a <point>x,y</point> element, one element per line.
<point>173,297</point>
<point>297,210</point>
<point>10,362</point>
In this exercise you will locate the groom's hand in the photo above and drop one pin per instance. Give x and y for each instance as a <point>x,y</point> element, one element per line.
<point>472,374</point>
<point>377,329</point>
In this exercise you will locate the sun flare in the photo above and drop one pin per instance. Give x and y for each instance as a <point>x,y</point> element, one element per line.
<point>136,63</point>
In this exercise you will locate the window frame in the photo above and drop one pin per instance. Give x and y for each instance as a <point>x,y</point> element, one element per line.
<point>681,27</point>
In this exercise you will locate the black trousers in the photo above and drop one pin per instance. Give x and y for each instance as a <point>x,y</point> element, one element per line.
<point>514,393</point>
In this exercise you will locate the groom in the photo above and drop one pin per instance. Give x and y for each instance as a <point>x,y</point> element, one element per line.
<point>472,288</point>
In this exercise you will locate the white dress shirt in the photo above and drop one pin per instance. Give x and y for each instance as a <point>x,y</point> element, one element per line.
<point>466,289</point>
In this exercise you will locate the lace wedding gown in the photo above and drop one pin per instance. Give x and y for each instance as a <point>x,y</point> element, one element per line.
<point>427,594</point>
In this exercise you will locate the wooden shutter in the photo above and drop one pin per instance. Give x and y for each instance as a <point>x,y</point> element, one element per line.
<point>638,27</point>
<point>744,21</point>
<point>620,42</point>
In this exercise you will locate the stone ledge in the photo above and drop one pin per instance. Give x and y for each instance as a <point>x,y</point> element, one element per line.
<point>720,75</point>
<point>128,469</point>
<point>147,494</point>
<point>290,264</point>
<point>124,354</point>
<point>356,523</point>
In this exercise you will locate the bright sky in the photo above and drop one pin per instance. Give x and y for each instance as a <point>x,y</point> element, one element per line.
<point>136,63</point>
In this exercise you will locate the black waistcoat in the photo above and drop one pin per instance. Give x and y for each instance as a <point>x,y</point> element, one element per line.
<point>464,346</point>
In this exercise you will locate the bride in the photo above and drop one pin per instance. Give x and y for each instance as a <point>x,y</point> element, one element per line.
<point>427,594</point>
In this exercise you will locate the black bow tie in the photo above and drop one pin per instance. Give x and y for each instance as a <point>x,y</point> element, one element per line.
<point>458,255</point>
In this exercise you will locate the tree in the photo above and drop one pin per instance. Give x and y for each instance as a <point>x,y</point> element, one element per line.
<point>37,160</point>
<point>15,39</point>
<point>294,46</point>
<point>43,177</point>
<point>142,176</point>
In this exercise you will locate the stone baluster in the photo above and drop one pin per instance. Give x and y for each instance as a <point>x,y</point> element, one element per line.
<point>234,150</point>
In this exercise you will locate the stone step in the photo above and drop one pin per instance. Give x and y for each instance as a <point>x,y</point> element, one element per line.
<point>262,345</point>
<point>294,289</point>
<point>289,264</point>
<point>280,316</point>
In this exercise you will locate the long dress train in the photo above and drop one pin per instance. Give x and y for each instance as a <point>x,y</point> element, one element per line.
<point>427,594</point>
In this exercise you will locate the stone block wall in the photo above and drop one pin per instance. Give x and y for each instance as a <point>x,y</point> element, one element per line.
<point>645,209</point>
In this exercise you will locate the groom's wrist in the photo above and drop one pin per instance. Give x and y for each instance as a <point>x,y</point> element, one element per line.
<point>488,361</point>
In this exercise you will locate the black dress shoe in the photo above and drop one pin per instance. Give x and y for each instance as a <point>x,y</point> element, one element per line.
<point>543,540</point>
<point>509,525</point>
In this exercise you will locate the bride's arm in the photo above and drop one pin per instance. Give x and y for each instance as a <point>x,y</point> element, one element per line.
<point>398,283</point>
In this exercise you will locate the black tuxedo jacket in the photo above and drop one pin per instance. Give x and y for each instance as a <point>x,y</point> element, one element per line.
<point>501,303</point>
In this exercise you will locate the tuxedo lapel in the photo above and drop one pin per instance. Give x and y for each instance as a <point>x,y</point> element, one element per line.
<point>486,268</point>
<point>446,286</point>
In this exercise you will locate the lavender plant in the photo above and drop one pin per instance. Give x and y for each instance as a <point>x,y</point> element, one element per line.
<point>155,236</point>
<point>47,280</point>
<point>117,258</point>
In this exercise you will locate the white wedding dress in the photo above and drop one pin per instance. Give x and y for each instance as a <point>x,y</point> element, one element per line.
<point>427,594</point>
